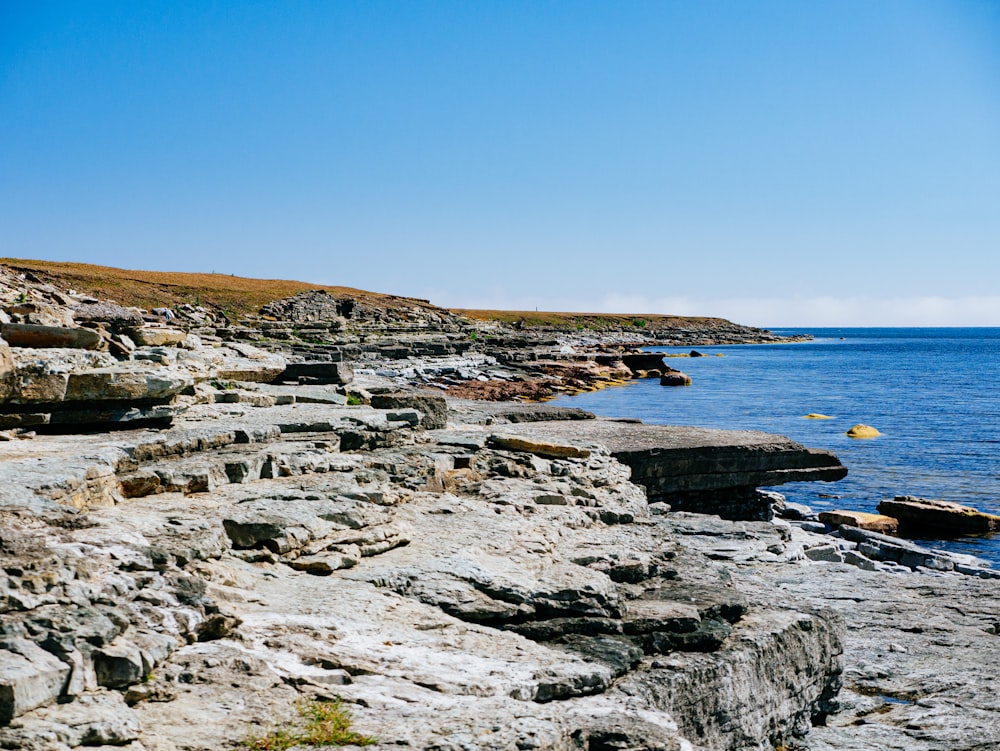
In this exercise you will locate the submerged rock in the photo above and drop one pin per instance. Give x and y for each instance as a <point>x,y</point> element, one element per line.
<point>863,431</point>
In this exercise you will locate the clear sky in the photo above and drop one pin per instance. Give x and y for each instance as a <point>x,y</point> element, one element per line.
<point>777,163</point>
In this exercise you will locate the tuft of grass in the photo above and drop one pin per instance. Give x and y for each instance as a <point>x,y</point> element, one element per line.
<point>326,723</point>
<point>353,400</point>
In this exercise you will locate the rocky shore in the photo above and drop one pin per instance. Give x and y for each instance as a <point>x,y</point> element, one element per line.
<point>204,526</point>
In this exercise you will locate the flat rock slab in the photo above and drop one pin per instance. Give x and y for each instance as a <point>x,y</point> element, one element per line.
<point>695,468</point>
<point>467,410</point>
<point>887,525</point>
<point>922,514</point>
<point>31,335</point>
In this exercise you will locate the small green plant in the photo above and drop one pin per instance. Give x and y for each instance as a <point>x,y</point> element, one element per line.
<point>474,335</point>
<point>224,385</point>
<point>639,323</point>
<point>327,723</point>
<point>22,298</point>
<point>354,400</point>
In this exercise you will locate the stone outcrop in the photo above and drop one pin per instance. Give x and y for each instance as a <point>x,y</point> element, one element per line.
<point>696,469</point>
<point>519,593</point>
<point>463,575</point>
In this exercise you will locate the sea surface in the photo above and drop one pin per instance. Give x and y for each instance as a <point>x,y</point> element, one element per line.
<point>934,393</point>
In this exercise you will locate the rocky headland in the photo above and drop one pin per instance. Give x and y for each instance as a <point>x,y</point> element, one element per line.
<point>208,522</point>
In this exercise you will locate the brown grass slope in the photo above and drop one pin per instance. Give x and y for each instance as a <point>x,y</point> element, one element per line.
<point>596,321</point>
<point>239,296</point>
<point>234,295</point>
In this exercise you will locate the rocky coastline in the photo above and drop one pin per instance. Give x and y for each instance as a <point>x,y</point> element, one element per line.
<point>205,523</point>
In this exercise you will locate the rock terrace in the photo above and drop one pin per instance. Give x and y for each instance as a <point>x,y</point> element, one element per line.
<point>258,530</point>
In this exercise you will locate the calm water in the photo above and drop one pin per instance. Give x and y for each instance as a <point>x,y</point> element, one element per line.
<point>931,392</point>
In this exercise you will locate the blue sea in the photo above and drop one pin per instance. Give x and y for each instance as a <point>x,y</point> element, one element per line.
<point>932,392</point>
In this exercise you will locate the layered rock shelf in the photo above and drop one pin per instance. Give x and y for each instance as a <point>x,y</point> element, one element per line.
<point>462,574</point>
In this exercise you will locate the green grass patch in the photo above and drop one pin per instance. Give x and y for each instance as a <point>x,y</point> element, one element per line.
<point>325,723</point>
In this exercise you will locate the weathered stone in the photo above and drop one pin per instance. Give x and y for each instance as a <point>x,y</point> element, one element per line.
<point>696,469</point>
<point>318,372</point>
<point>432,406</point>
<point>30,335</point>
<point>134,382</point>
<point>881,547</point>
<point>29,678</point>
<point>887,525</point>
<point>935,517</point>
<point>119,664</point>
<point>829,553</point>
<point>7,372</point>
<point>644,362</point>
<point>674,378</point>
<point>539,448</point>
<point>156,336</point>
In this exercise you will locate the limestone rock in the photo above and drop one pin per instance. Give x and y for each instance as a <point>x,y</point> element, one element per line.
<point>644,362</point>
<point>7,372</point>
<point>132,382</point>
<point>432,406</point>
<point>340,373</point>
<point>29,678</point>
<point>540,448</point>
<point>157,336</point>
<point>696,469</point>
<point>31,335</point>
<point>934,517</point>
<point>873,522</point>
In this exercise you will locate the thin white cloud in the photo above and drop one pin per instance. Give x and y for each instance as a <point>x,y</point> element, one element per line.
<point>826,310</point>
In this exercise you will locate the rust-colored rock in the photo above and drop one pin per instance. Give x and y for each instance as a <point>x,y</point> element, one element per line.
<point>540,448</point>
<point>937,517</point>
<point>31,335</point>
<point>885,525</point>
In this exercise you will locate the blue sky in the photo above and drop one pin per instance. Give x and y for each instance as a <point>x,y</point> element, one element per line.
<point>777,163</point>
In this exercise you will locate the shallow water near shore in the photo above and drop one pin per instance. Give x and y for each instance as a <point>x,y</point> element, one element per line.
<point>932,392</point>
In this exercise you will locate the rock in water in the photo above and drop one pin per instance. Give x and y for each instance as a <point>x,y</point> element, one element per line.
<point>863,431</point>
<point>936,517</point>
<point>675,378</point>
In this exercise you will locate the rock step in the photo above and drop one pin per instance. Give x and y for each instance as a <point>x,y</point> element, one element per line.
<point>769,681</point>
<point>697,469</point>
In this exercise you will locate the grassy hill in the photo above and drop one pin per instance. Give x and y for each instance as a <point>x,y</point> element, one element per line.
<point>150,289</point>
<point>239,296</point>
